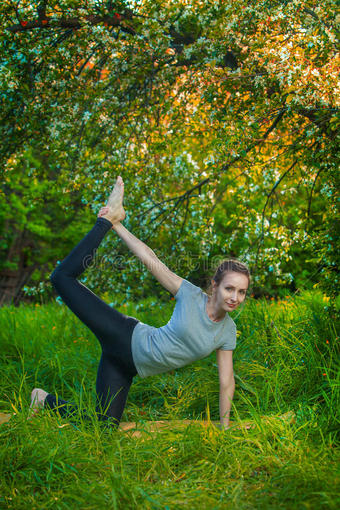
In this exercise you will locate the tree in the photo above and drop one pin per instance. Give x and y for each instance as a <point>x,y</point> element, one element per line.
<point>202,107</point>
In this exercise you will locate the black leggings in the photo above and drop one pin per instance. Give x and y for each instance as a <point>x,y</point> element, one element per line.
<point>112,328</point>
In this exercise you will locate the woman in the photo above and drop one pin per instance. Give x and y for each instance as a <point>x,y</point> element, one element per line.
<point>199,324</point>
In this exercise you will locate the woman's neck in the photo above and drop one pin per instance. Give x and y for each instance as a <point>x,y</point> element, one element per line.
<point>214,313</point>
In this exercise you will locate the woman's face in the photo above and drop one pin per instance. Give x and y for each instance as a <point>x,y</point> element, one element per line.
<point>231,291</point>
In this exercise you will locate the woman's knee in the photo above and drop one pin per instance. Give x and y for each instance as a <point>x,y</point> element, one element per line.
<point>54,277</point>
<point>57,278</point>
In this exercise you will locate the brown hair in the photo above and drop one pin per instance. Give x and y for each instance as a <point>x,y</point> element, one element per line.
<point>226,267</point>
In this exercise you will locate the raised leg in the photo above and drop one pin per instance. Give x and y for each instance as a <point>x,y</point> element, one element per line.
<point>112,328</point>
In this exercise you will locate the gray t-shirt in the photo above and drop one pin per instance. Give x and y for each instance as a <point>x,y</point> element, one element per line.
<point>188,336</point>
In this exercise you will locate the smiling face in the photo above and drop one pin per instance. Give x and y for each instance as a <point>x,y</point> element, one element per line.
<point>231,291</point>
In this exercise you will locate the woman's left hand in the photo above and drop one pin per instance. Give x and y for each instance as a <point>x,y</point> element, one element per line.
<point>103,211</point>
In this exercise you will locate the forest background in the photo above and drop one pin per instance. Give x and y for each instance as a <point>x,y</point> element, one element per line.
<point>222,118</point>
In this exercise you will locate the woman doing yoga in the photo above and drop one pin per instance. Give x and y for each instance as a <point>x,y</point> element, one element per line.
<point>199,323</point>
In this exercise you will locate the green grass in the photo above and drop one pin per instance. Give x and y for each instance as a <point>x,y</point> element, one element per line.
<point>287,358</point>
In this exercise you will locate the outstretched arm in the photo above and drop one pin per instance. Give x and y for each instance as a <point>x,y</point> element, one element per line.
<point>169,280</point>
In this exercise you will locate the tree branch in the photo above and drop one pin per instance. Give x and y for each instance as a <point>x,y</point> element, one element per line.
<point>265,207</point>
<point>74,23</point>
<point>267,201</point>
<point>322,121</point>
<point>315,16</point>
<point>311,192</point>
<point>180,198</point>
<point>237,158</point>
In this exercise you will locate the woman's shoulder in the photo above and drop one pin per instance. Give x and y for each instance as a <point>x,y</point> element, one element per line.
<point>186,288</point>
<point>230,323</point>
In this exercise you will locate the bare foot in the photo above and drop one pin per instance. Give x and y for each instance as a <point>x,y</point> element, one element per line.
<point>37,401</point>
<point>114,211</point>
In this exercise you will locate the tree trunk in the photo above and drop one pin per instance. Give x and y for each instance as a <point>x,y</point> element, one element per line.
<point>11,283</point>
<point>13,280</point>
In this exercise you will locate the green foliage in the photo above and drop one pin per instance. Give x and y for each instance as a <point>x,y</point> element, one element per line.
<point>238,97</point>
